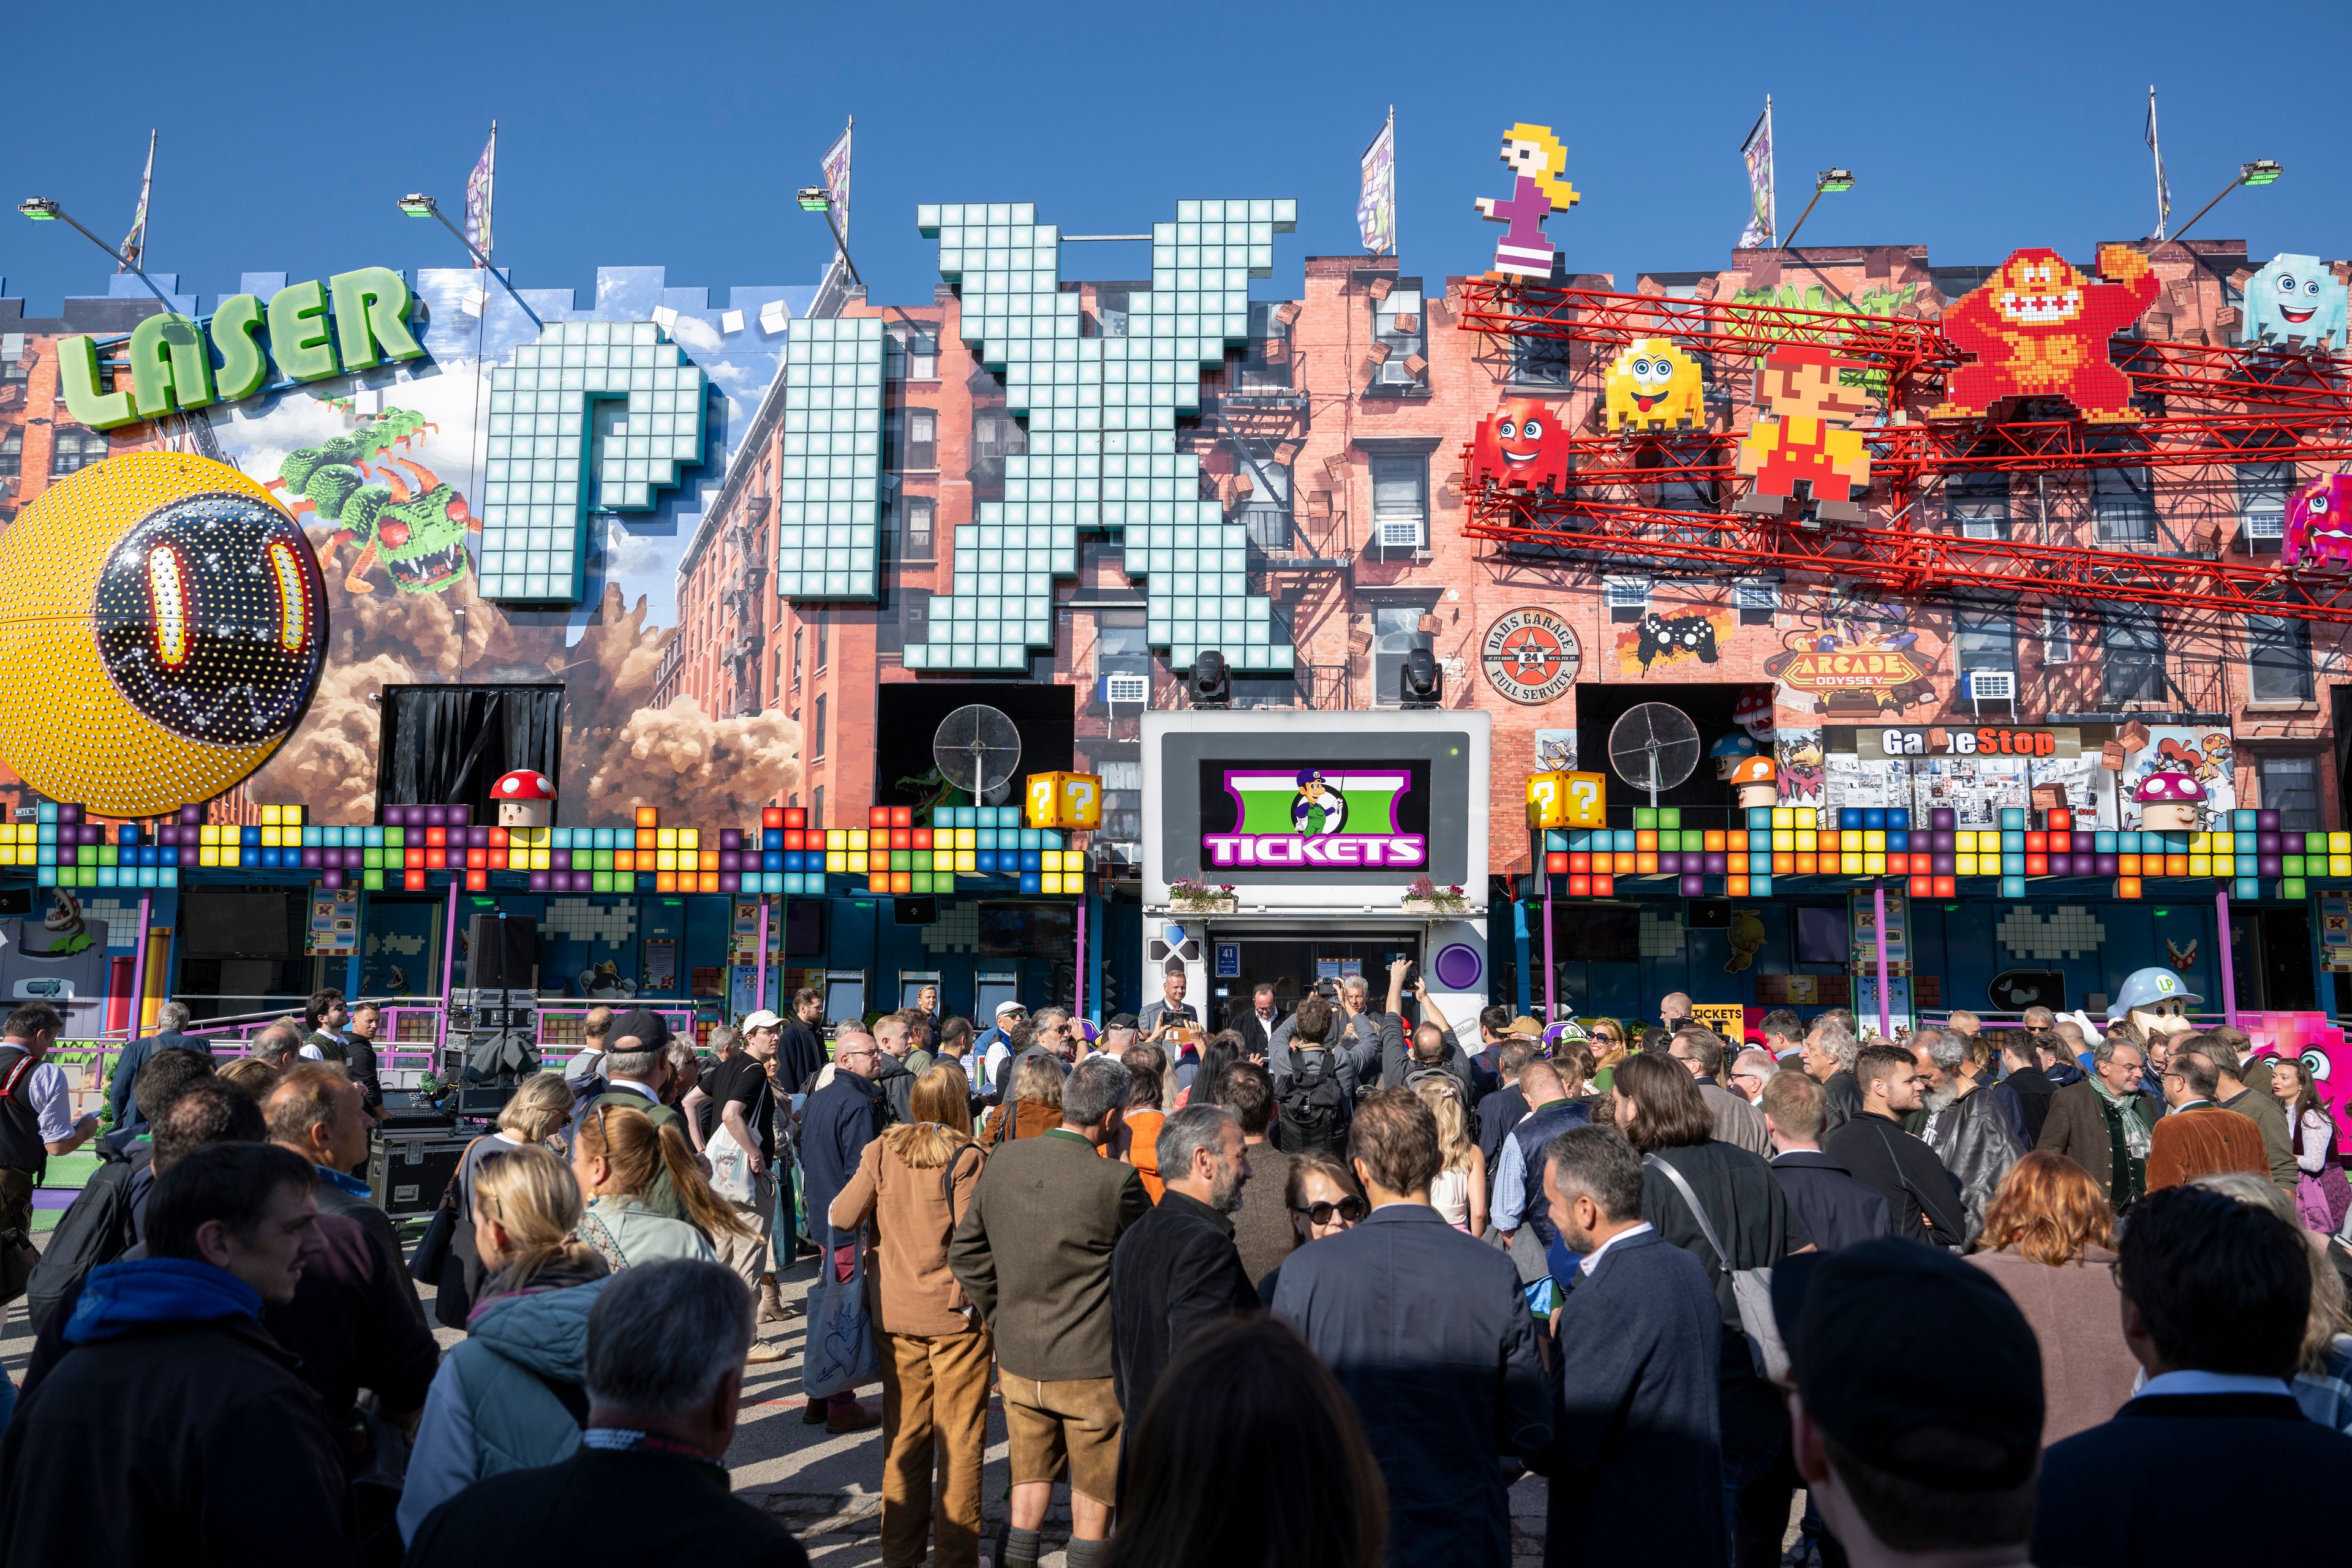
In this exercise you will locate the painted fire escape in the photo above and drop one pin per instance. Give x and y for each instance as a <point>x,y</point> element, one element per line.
<point>2205,408</point>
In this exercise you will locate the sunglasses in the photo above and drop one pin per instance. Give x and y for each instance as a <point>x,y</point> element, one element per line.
<point>1349,1209</point>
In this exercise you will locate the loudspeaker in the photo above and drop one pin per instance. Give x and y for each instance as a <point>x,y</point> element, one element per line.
<point>502,953</point>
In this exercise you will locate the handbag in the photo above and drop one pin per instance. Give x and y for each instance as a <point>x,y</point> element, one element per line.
<point>842,1353</point>
<point>1751,1289</point>
<point>430,1253</point>
<point>730,1166</point>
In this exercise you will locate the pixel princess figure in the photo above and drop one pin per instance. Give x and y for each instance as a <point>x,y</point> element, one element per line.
<point>1539,189</point>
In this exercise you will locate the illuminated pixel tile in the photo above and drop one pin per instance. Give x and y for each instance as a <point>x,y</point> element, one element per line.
<point>544,439</point>
<point>828,503</point>
<point>1102,436</point>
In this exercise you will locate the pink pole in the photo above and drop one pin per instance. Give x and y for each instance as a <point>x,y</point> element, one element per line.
<point>2228,962</point>
<point>1078,1004</point>
<point>1885,1009</point>
<point>138,974</point>
<point>450,949</point>
<point>1551,1013</point>
<point>760,965</point>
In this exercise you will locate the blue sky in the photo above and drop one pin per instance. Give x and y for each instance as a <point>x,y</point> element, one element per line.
<point>676,134</point>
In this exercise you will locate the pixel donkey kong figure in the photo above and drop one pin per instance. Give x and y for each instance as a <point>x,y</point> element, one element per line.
<point>2040,329</point>
<point>1807,443</point>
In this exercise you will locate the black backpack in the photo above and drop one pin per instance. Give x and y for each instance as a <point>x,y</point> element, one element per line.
<point>1315,1109</point>
<point>95,1229</point>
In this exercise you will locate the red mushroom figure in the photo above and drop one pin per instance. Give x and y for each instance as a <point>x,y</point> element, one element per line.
<point>525,797</point>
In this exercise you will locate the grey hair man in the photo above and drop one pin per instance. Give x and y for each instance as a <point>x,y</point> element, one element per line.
<point>1177,1271</point>
<point>171,1020</point>
<point>666,1347</point>
<point>1039,1274</point>
<point>281,1045</point>
<point>637,1066</point>
<point>1750,1071</point>
<point>1829,1054</point>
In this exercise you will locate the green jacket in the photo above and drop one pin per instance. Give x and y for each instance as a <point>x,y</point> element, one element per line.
<point>661,1197</point>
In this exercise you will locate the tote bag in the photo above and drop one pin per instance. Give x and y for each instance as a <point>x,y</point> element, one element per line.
<point>842,1353</point>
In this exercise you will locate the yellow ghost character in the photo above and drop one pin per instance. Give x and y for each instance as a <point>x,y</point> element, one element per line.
<point>1654,386</point>
<point>1745,937</point>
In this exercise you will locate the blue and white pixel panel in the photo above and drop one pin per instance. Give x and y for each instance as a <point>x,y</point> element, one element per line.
<point>542,442</point>
<point>1102,434</point>
<point>828,503</point>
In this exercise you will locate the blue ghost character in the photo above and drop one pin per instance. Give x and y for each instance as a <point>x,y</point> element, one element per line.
<point>2294,297</point>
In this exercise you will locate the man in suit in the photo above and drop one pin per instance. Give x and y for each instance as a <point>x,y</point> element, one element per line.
<point>1914,1460</point>
<point>1636,1462</point>
<point>665,1348</point>
<point>2215,1297</point>
<point>2102,1122</point>
<point>1256,1026</point>
<point>2197,1137</point>
<point>1700,1050</point>
<point>1838,1211</point>
<point>1034,1253</point>
<point>1175,1271</point>
<point>837,1124</point>
<point>1427,1331</point>
<point>1921,1194</point>
<point>170,1019</point>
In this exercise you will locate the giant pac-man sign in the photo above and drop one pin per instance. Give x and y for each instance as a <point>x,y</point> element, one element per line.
<point>163,627</point>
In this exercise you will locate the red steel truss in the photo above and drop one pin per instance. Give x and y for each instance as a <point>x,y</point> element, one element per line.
<point>2212,407</point>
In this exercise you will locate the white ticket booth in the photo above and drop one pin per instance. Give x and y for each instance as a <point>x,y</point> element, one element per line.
<point>1320,824</point>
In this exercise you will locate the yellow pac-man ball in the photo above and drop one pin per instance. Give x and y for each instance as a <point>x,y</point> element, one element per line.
<point>163,627</point>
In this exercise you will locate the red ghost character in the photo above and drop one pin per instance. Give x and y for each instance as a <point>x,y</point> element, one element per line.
<point>1521,446</point>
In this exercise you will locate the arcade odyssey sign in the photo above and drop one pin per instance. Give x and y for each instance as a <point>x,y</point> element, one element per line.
<point>1311,815</point>
<point>352,321</point>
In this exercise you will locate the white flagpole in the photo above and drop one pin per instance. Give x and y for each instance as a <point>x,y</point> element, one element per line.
<point>2156,151</point>
<point>490,196</point>
<point>1396,247</point>
<point>134,246</point>
<point>1771,173</point>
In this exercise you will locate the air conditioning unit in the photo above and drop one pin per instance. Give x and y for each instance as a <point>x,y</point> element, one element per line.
<point>2266,525</point>
<point>1135,688</point>
<point>1993,686</point>
<point>1401,536</point>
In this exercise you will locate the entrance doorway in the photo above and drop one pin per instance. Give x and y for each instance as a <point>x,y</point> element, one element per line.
<point>1291,962</point>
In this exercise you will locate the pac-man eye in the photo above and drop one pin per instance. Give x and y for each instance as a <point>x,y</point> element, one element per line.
<point>1507,429</point>
<point>2286,283</point>
<point>206,617</point>
<point>2316,1061</point>
<point>1532,429</point>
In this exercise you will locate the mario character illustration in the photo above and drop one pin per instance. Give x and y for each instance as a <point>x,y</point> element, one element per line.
<point>2169,802</point>
<point>1806,442</point>
<point>2319,525</point>
<point>1319,809</point>
<point>1521,447</point>
<point>525,799</point>
<point>1755,781</point>
<point>1653,385</point>
<point>2295,299</point>
<point>1540,187</point>
<point>2040,329</point>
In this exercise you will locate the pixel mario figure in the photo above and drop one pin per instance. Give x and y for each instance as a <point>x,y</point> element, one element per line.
<point>1807,443</point>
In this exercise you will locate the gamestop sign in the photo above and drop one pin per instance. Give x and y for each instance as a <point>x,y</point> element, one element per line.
<point>1337,811</point>
<point>1317,815</point>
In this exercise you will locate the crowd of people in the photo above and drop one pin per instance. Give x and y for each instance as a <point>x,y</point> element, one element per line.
<point>1315,1290</point>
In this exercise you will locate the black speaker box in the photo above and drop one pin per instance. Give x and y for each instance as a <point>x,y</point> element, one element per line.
<point>407,1171</point>
<point>502,952</point>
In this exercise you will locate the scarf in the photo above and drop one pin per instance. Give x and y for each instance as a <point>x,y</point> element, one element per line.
<point>2137,1133</point>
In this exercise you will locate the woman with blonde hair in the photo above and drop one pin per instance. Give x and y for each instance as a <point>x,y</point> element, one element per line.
<point>911,1187</point>
<point>510,1397</point>
<point>1459,1192</point>
<point>253,1074</point>
<point>540,1106</point>
<point>1034,1104</point>
<point>2048,1239</point>
<point>614,1154</point>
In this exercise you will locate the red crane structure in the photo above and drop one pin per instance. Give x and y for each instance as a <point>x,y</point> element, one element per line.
<point>2205,408</point>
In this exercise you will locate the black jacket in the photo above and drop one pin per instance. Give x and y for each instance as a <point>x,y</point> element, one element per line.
<point>378,1225</point>
<point>1976,1141</point>
<point>1257,1037</point>
<point>798,1058</point>
<point>1841,1100</point>
<point>2033,1089</point>
<point>126,1072</point>
<point>836,1124</point>
<point>1173,1273</point>
<point>190,1442</point>
<point>599,1507</point>
<point>2112,1496</point>
<point>1837,1210</point>
<point>99,1226</point>
<point>1925,1200</point>
<point>896,1083</point>
<point>1497,1114</point>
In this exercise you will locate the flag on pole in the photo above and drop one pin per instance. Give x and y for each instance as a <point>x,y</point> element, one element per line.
<point>480,187</point>
<point>836,164</point>
<point>1376,195</point>
<point>134,244</point>
<point>1763,221</point>
<point>2163,185</point>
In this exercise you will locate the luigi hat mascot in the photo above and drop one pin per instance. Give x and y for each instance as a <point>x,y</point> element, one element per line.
<point>1319,809</point>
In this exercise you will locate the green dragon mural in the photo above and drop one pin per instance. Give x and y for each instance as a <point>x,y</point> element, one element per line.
<point>400,513</point>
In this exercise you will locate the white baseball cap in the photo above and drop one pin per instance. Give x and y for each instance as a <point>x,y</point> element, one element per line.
<point>1004,1007</point>
<point>762,1019</point>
